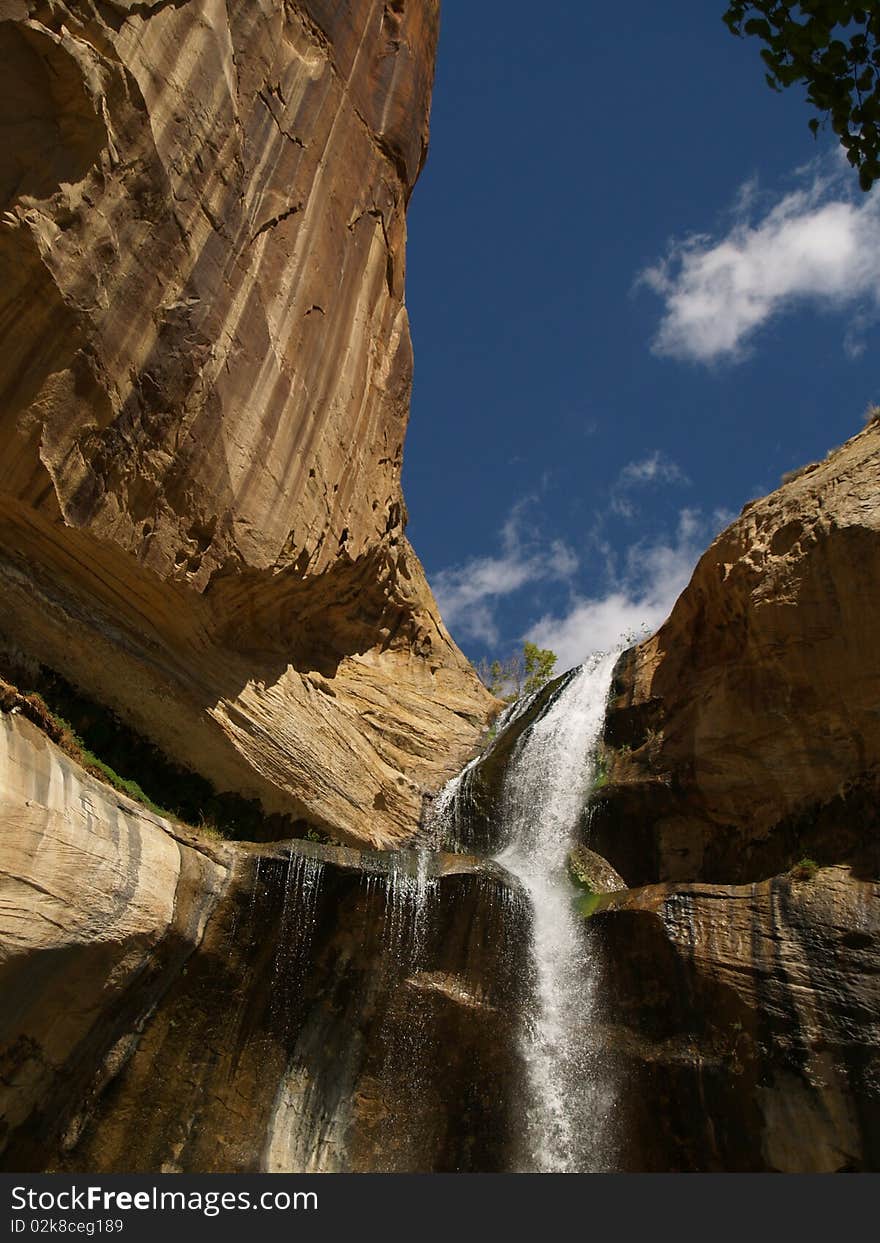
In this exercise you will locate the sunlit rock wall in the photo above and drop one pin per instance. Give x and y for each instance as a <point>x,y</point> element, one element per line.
<point>205,370</point>
<point>745,734</point>
<point>742,755</point>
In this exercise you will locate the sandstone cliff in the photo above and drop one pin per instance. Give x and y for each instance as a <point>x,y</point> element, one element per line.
<point>744,1023</point>
<point>742,751</point>
<point>219,1007</point>
<point>205,379</point>
<point>745,734</point>
<point>204,387</point>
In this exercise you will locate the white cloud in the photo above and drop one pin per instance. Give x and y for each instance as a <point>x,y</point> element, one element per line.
<point>468,593</point>
<point>817,245</point>
<point>649,582</point>
<point>655,468</point>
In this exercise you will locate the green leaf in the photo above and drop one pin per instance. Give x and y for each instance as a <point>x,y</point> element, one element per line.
<point>758,26</point>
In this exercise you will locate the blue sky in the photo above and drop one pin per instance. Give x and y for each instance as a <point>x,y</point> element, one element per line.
<point>639,292</point>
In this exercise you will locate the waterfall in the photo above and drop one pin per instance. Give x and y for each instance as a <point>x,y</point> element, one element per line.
<point>546,784</point>
<point>394,1008</point>
<point>300,878</point>
<point>451,821</point>
<point>441,954</point>
<point>408,891</point>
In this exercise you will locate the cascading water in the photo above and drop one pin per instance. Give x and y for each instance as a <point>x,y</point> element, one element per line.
<point>394,998</point>
<point>546,784</point>
<point>429,962</point>
<point>408,891</point>
<point>451,823</point>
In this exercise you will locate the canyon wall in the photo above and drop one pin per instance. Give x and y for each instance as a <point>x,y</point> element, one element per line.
<point>742,763</point>
<point>744,1023</point>
<point>204,387</point>
<point>745,734</point>
<point>211,1006</point>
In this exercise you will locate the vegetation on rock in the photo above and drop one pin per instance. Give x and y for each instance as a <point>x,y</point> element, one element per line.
<point>522,673</point>
<point>600,770</point>
<point>805,869</point>
<point>591,873</point>
<point>107,749</point>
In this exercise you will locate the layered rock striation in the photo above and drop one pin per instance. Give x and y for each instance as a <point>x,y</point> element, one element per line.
<point>204,387</point>
<point>744,1023</point>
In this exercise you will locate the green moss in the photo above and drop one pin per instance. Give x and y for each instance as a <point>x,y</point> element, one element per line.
<point>322,838</point>
<point>123,784</point>
<point>73,745</point>
<point>576,873</point>
<point>600,771</point>
<point>108,749</point>
<point>588,903</point>
<point>805,869</point>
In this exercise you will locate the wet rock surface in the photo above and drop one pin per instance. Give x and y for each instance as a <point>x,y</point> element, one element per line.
<point>204,1006</point>
<point>744,1023</point>
<point>591,872</point>
<point>204,387</point>
<point>474,817</point>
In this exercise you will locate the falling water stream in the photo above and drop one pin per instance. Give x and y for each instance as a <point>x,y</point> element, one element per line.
<point>545,770</point>
<point>546,784</point>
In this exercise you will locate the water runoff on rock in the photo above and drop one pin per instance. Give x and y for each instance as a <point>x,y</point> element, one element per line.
<point>548,774</point>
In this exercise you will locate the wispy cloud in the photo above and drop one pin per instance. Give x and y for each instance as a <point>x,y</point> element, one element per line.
<point>654,469</point>
<point>819,245</point>
<point>649,580</point>
<point>468,594</point>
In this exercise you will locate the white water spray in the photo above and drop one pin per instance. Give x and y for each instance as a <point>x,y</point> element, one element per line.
<point>547,782</point>
<point>408,891</point>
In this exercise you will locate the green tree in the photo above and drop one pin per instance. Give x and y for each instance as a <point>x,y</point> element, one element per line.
<point>492,676</point>
<point>523,672</point>
<point>539,663</point>
<point>833,48</point>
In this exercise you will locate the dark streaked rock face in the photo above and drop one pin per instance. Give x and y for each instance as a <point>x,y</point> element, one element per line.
<point>200,1006</point>
<point>746,1023</point>
<point>204,388</point>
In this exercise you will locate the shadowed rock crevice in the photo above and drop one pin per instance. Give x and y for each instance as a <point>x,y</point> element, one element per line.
<point>51,132</point>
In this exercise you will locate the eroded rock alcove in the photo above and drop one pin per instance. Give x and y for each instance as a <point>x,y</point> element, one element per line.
<point>204,391</point>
